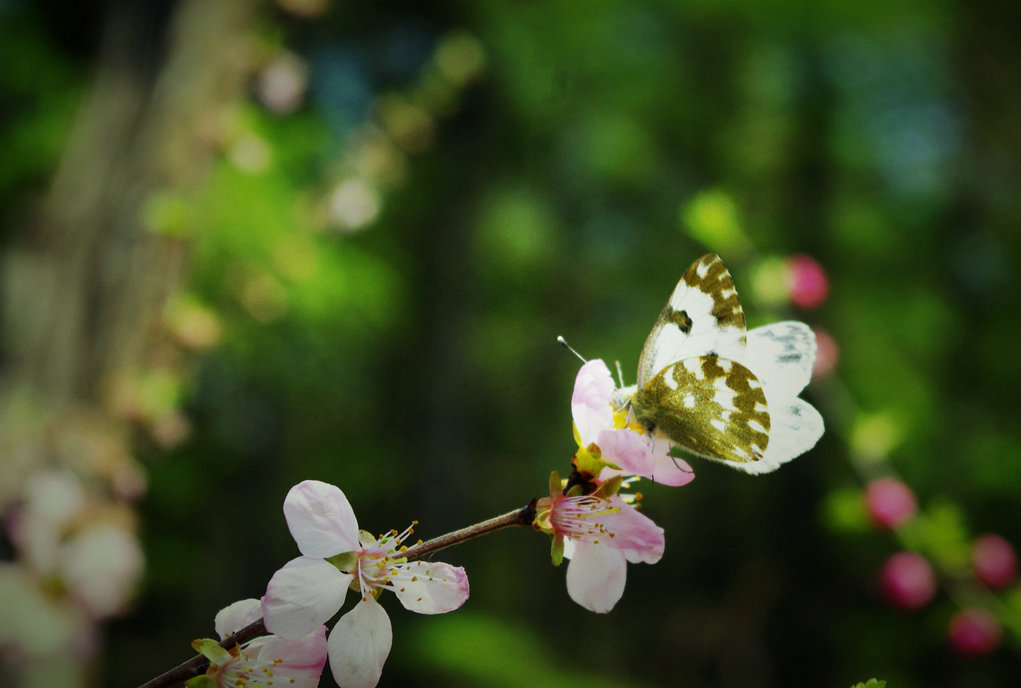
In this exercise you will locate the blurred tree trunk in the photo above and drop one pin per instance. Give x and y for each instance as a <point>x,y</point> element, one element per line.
<point>85,283</point>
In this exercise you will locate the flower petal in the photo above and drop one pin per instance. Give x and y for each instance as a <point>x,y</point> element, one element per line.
<point>234,617</point>
<point>302,595</point>
<point>359,645</point>
<point>590,403</point>
<point>430,587</point>
<point>629,450</point>
<point>634,533</point>
<point>292,663</point>
<point>596,576</point>
<point>320,519</point>
<point>669,470</point>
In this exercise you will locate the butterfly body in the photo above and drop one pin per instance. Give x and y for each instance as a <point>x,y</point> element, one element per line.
<point>707,389</point>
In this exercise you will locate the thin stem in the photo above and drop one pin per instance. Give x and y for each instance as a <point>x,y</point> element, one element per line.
<point>198,664</point>
<point>519,517</point>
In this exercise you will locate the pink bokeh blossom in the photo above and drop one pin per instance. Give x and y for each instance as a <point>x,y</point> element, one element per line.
<point>908,580</point>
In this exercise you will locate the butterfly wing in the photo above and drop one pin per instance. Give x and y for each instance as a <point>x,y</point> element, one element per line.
<point>702,317</point>
<point>781,356</point>
<point>795,427</point>
<point>710,406</point>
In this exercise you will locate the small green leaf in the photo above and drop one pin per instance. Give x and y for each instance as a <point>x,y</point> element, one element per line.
<point>211,650</point>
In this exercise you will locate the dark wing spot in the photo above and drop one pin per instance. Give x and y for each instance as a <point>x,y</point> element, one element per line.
<point>679,318</point>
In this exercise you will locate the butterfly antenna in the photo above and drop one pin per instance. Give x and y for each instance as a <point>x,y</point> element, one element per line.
<point>563,343</point>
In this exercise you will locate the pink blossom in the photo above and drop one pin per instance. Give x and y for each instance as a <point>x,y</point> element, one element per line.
<point>807,281</point>
<point>599,533</point>
<point>890,503</point>
<point>908,580</point>
<point>310,589</point>
<point>827,353</point>
<point>973,632</point>
<point>993,561</point>
<point>605,439</point>
<point>265,661</point>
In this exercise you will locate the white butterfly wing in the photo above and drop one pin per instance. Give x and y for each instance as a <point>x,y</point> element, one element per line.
<point>781,355</point>
<point>702,317</point>
<point>794,428</point>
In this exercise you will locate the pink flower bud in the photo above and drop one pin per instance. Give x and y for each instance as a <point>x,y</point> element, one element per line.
<point>974,632</point>
<point>807,282</point>
<point>890,503</point>
<point>993,561</point>
<point>826,355</point>
<point>907,580</point>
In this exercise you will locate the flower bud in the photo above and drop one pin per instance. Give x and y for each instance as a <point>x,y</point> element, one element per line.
<point>807,282</point>
<point>907,580</point>
<point>890,503</point>
<point>827,353</point>
<point>993,561</point>
<point>973,632</point>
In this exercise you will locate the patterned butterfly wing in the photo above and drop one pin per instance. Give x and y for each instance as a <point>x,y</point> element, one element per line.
<point>710,406</point>
<point>702,317</point>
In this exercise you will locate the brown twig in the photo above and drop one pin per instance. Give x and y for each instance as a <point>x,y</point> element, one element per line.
<point>519,517</point>
<point>198,664</point>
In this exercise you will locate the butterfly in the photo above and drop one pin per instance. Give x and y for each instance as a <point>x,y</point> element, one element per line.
<point>717,391</point>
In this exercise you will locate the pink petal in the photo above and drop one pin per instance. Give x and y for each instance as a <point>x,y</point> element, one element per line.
<point>292,663</point>
<point>430,587</point>
<point>596,576</point>
<point>302,595</point>
<point>359,645</point>
<point>234,617</point>
<point>590,403</point>
<point>320,519</point>
<point>628,450</point>
<point>634,533</point>
<point>669,470</point>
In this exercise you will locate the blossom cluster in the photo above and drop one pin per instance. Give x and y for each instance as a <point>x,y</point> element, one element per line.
<point>909,581</point>
<point>591,516</point>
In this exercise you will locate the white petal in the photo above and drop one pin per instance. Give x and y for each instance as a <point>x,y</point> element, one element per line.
<point>596,576</point>
<point>233,618</point>
<point>359,645</point>
<point>302,595</point>
<point>320,519</point>
<point>794,428</point>
<point>781,356</point>
<point>590,403</point>
<point>430,587</point>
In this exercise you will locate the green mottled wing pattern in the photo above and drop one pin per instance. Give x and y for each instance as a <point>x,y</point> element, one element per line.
<point>710,406</point>
<point>703,316</point>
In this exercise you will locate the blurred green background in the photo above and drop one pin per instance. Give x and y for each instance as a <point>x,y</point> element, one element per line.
<point>351,232</point>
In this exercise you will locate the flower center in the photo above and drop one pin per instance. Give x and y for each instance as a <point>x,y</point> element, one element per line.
<point>241,673</point>
<point>578,517</point>
<point>379,560</point>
